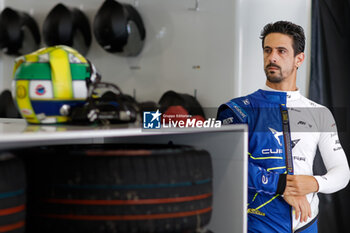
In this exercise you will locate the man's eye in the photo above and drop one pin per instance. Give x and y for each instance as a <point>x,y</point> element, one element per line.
<point>267,50</point>
<point>282,51</point>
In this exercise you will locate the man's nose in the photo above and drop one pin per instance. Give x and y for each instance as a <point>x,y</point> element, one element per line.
<point>273,57</point>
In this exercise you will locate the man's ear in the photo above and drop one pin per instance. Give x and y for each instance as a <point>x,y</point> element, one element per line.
<point>299,59</point>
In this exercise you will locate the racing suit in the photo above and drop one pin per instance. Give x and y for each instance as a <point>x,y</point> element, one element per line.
<point>285,129</point>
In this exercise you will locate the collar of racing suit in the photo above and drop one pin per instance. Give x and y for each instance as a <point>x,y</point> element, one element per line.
<point>280,96</point>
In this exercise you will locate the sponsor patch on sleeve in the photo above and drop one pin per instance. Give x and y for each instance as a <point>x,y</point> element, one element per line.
<point>239,112</point>
<point>227,121</point>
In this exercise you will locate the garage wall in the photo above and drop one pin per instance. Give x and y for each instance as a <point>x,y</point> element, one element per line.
<point>254,15</point>
<point>214,52</point>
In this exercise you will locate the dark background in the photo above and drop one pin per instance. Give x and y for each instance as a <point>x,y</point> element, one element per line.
<point>330,86</point>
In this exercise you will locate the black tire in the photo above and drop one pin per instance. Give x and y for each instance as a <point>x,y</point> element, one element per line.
<point>119,188</point>
<point>12,194</point>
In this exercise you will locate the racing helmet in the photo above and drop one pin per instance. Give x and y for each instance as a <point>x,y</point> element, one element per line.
<point>119,28</point>
<point>19,32</point>
<point>67,26</point>
<point>50,80</point>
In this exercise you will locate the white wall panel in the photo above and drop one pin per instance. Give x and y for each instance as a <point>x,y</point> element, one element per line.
<point>222,38</point>
<point>254,15</point>
<point>178,41</point>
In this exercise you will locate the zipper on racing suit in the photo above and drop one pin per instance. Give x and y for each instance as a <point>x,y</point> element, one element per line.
<point>287,139</point>
<point>287,148</point>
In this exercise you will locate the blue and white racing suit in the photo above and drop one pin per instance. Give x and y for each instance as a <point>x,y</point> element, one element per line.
<point>285,129</point>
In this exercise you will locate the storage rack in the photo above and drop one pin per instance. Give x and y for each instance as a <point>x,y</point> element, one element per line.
<point>227,146</point>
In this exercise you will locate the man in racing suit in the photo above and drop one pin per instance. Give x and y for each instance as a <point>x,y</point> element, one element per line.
<point>285,129</point>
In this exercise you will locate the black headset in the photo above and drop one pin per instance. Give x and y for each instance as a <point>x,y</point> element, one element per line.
<point>109,106</point>
<point>19,32</point>
<point>62,25</point>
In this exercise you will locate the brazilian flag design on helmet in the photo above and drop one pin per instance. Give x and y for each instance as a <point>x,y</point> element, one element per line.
<point>48,79</point>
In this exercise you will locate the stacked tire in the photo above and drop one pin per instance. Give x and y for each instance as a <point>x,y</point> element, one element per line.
<point>119,188</point>
<point>12,194</point>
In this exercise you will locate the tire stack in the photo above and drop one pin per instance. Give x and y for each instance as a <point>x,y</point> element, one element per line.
<point>119,188</point>
<point>12,194</point>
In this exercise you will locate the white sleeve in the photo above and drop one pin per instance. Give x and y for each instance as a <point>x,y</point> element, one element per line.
<point>333,155</point>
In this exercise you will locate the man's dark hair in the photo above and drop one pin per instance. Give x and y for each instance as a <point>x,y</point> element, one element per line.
<point>287,28</point>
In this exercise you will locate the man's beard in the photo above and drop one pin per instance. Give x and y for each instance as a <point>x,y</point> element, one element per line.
<point>274,76</point>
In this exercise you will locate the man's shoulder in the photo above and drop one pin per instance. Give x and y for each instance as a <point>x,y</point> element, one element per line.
<point>242,100</point>
<point>321,114</point>
<point>310,103</point>
<point>236,109</point>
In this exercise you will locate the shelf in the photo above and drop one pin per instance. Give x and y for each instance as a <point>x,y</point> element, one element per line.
<point>227,146</point>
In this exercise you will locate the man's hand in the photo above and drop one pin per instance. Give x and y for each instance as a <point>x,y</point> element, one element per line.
<point>301,206</point>
<point>299,185</point>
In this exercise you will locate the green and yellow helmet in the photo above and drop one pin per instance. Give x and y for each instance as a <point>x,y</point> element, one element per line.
<point>48,79</point>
